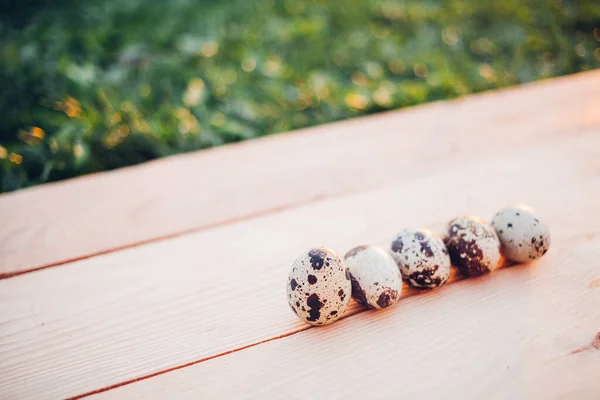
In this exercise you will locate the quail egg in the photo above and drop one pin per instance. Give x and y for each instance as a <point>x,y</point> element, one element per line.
<point>522,235</point>
<point>422,258</point>
<point>376,281</point>
<point>319,287</point>
<point>473,246</point>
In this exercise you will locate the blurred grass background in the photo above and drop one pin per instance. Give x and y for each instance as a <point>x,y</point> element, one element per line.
<point>96,85</point>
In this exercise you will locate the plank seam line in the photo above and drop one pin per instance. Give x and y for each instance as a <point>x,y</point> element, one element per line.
<point>205,227</point>
<point>222,223</point>
<point>351,313</point>
<point>189,364</point>
<point>457,100</point>
<point>458,278</point>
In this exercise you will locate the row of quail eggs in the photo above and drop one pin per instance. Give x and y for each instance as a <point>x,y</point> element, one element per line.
<point>320,283</point>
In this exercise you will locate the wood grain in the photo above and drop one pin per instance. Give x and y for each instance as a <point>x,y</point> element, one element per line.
<point>128,314</point>
<point>505,336</point>
<point>56,223</point>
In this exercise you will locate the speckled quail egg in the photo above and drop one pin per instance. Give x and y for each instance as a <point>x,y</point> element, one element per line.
<point>473,246</point>
<point>522,235</point>
<point>422,258</point>
<point>319,287</point>
<point>376,281</point>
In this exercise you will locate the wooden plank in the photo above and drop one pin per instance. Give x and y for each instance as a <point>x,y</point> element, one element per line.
<point>108,319</point>
<point>513,334</point>
<point>55,223</point>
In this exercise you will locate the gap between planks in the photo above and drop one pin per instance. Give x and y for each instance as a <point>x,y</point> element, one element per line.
<point>354,308</point>
<point>225,222</point>
<point>189,364</point>
<point>532,316</point>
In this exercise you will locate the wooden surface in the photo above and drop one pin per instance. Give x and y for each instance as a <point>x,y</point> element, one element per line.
<point>172,273</point>
<point>507,336</point>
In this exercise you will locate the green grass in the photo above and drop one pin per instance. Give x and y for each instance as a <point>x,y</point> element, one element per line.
<point>103,84</point>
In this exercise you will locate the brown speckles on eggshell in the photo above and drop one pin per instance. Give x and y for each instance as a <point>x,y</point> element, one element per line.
<point>317,258</point>
<point>422,259</point>
<point>427,278</point>
<point>354,251</point>
<point>374,276</point>
<point>527,239</point>
<point>468,257</point>
<point>473,246</point>
<point>358,293</point>
<point>397,245</point>
<point>425,248</point>
<point>387,297</point>
<point>321,274</point>
<point>314,305</point>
